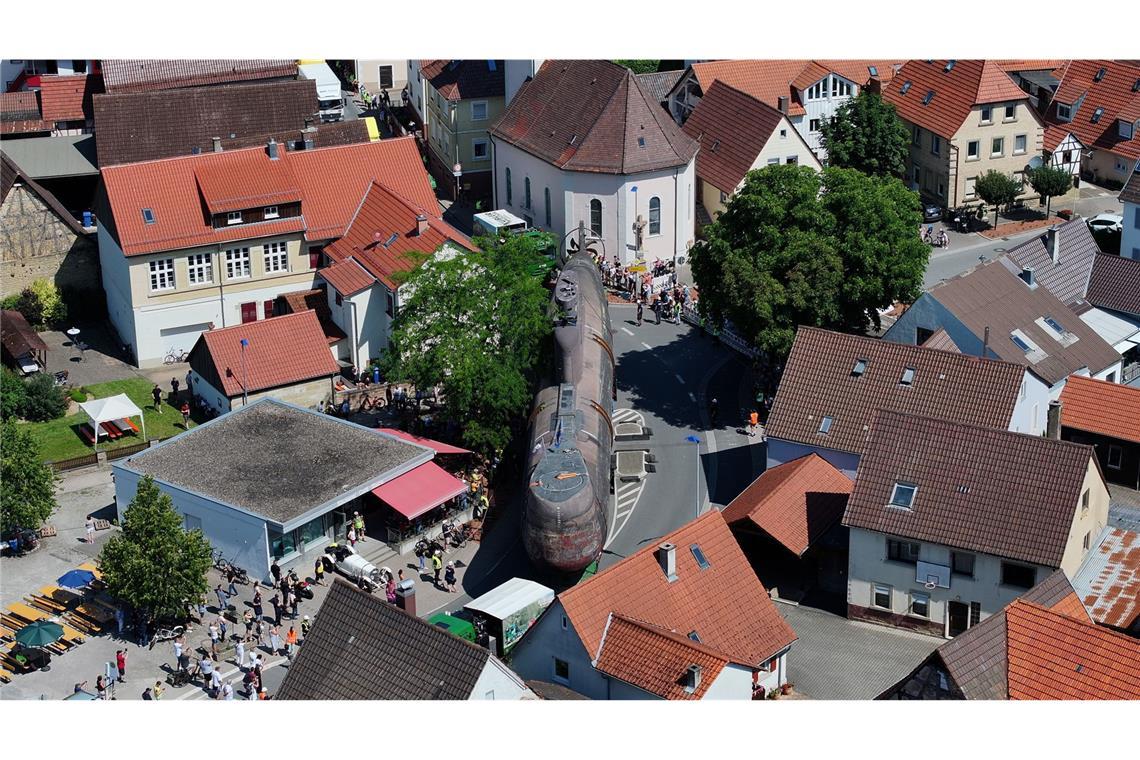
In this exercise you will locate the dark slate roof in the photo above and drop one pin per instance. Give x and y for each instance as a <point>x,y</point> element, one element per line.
<point>1069,277</point>
<point>138,74</point>
<point>361,647</point>
<point>553,691</point>
<point>142,126</point>
<point>992,295</point>
<point>991,491</point>
<point>1115,284</point>
<point>658,83</point>
<point>593,116</point>
<point>1131,190</point>
<point>278,461</point>
<point>818,381</point>
<point>464,80</point>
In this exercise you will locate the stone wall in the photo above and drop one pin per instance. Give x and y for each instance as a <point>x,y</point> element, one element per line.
<point>36,244</point>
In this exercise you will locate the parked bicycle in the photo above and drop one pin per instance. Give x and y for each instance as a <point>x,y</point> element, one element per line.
<point>176,357</point>
<point>227,568</point>
<point>166,634</point>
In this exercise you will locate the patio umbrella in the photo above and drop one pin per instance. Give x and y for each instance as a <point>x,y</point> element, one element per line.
<point>76,578</point>
<point>39,634</point>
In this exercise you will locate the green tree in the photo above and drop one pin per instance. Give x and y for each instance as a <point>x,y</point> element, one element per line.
<point>13,395</point>
<point>41,304</point>
<point>45,400</point>
<point>474,324</point>
<point>1049,182</point>
<point>997,189</point>
<point>27,497</point>
<point>640,67</point>
<point>154,564</point>
<point>795,247</point>
<point>867,135</point>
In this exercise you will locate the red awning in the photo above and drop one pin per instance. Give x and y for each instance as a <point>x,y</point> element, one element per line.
<point>418,490</point>
<point>439,448</point>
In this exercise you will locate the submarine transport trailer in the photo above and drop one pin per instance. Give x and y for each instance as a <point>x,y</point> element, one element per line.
<point>571,430</point>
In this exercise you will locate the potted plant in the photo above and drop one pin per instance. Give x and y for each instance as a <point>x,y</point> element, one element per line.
<point>786,688</point>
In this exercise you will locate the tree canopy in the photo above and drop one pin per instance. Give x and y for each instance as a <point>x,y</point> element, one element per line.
<point>639,66</point>
<point>997,189</point>
<point>474,323</point>
<point>796,247</point>
<point>867,135</point>
<point>1049,182</point>
<point>27,497</point>
<point>155,564</point>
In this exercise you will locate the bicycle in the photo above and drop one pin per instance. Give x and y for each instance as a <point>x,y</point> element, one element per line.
<point>175,357</point>
<point>166,634</point>
<point>226,567</point>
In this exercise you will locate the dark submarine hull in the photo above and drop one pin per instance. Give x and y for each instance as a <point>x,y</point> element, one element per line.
<point>571,430</point>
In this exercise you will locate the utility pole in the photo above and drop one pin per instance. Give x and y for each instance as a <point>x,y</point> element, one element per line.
<point>696,473</point>
<point>581,235</point>
<point>244,384</point>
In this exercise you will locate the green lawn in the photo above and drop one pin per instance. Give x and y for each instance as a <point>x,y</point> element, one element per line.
<point>60,439</point>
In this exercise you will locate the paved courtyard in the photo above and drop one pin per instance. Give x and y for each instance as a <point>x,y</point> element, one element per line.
<point>836,658</point>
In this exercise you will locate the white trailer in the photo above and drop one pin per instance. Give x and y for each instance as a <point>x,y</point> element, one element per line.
<point>329,96</point>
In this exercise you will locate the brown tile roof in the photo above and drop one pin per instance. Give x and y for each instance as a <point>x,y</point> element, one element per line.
<point>593,116</point>
<point>369,239</point>
<point>992,295</point>
<point>1130,193</point>
<point>725,603</point>
<point>322,135</point>
<point>968,83</point>
<point>1114,93</point>
<point>66,98</point>
<point>656,659</point>
<point>136,75</point>
<point>466,79</point>
<point>1032,64</point>
<point>282,351</point>
<point>795,503</point>
<point>17,336</point>
<point>818,381</point>
<point>318,301</point>
<point>991,491</point>
<point>942,341</point>
<point>1101,407</point>
<point>1053,656</point>
<point>732,128</point>
<point>1069,277</point>
<point>1115,284</point>
<point>332,182</point>
<point>658,83</point>
<point>19,106</point>
<point>1109,579</point>
<point>143,126</point>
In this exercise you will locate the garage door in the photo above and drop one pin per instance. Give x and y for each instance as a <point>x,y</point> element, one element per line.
<point>181,338</point>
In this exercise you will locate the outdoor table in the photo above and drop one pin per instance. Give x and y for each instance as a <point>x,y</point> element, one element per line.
<point>60,595</point>
<point>95,613</point>
<point>34,659</point>
<point>25,612</point>
<point>122,426</point>
<point>73,333</point>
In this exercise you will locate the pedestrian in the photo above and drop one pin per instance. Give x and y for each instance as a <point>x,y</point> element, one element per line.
<point>178,645</point>
<point>185,409</point>
<point>89,526</point>
<point>306,624</point>
<point>223,630</point>
<point>449,577</point>
<point>189,383</point>
<point>215,681</point>
<point>121,664</point>
<point>291,642</point>
<point>421,555</point>
<point>437,564</point>
<point>231,576</point>
<point>147,695</point>
<point>276,602</point>
<point>275,570</point>
<point>677,312</point>
<point>400,572</point>
<point>120,620</point>
<point>275,639</point>
<point>358,523</point>
<point>713,409</point>
<point>294,603</point>
<point>247,618</point>
<point>202,609</point>
<point>157,690</point>
<point>255,663</point>
<point>101,687</point>
<point>156,394</point>
<point>257,609</point>
<point>753,423</point>
<point>223,598</point>
<point>260,632</point>
<point>319,572</point>
<point>390,590</point>
<point>352,537</point>
<point>173,388</point>
<point>640,311</point>
<point>227,691</point>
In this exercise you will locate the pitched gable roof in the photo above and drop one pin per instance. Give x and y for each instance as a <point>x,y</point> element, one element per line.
<point>724,603</point>
<point>361,647</point>
<point>819,381</point>
<point>795,503</point>
<point>66,98</point>
<point>1098,406</point>
<point>990,491</point>
<point>466,79</point>
<point>1068,278</point>
<point>968,83</point>
<point>10,173</point>
<point>135,75</point>
<point>318,301</point>
<point>1115,93</point>
<point>1115,284</point>
<point>732,128</point>
<point>592,116</point>
<point>282,351</point>
<point>658,83</point>
<point>1130,193</point>
<point>20,114</point>
<point>656,659</point>
<point>992,295</point>
<point>764,80</point>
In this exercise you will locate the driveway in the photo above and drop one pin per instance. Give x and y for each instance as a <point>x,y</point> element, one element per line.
<point>837,658</point>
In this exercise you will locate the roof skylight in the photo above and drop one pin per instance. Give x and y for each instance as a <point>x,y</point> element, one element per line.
<point>928,97</point>
<point>905,88</point>
<point>702,560</point>
<point>907,376</point>
<point>825,425</point>
<point>902,495</point>
<point>859,368</point>
<point>148,215</point>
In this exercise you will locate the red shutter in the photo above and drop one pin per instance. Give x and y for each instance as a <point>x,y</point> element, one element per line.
<point>269,312</point>
<point>248,312</point>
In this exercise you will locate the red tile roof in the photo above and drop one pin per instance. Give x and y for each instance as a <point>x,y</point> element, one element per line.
<point>464,80</point>
<point>1114,93</point>
<point>656,659</point>
<point>282,351</point>
<point>317,300</point>
<point>732,128</point>
<point>382,214</point>
<point>330,181</point>
<point>135,75</point>
<point>795,503</point>
<point>1098,406</point>
<point>968,83</point>
<point>725,603</point>
<point>65,98</point>
<point>348,277</point>
<point>1053,656</point>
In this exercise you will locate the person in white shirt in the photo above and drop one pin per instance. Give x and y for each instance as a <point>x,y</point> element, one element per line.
<point>227,691</point>
<point>239,653</point>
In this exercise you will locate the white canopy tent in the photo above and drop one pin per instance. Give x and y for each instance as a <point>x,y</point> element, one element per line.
<point>112,408</point>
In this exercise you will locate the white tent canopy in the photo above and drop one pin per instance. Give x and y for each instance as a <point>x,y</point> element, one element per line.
<point>112,408</point>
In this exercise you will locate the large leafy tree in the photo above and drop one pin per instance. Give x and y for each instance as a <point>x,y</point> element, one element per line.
<point>13,394</point>
<point>27,485</point>
<point>997,189</point>
<point>796,247</point>
<point>155,564</point>
<point>43,399</point>
<point>1049,182</point>
<point>867,135</point>
<point>639,66</point>
<point>474,323</point>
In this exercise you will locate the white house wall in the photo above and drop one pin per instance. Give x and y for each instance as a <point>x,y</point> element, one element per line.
<point>117,285</point>
<point>1130,237</point>
<point>498,682</point>
<point>1032,405</point>
<point>1071,146</point>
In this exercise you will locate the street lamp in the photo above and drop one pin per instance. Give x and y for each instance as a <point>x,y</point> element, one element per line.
<point>696,473</point>
<point>244,385</point>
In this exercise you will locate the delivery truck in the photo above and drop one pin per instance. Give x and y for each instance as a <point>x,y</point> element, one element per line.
<point>329,96</point>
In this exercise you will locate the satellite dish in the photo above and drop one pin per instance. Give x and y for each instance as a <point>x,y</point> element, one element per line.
<point>1035,163</point>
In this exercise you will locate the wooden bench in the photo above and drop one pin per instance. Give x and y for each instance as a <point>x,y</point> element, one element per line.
<point>5,676</point>
<point>22,611</point>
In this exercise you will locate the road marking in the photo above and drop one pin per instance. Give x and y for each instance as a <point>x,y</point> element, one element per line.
<point>627,331</point>
<point>626,497</point>
<point>680,379</point>
<point>647,346</point>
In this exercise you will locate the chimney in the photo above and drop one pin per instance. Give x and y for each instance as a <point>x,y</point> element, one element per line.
<point>1027,276</point>
<point>692,678</point>
<point>667,558</point>
<point>421,224</point>
<point>986,344</point>
<point>1053,421</point>
<point>782,104</point>
<point>217,145</point>
<point>271,149</point>
<point>1053,243</point>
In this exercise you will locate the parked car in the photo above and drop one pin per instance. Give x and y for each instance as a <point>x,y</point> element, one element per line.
<point>345,560</point>
<point>931,212</point>
<point>1106,223</point>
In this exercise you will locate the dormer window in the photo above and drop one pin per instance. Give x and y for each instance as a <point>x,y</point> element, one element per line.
<point>234,217</point>
<point>148,216</point>
<point>1125,129</point>
<point>907,376</point>
<point>859,368</point>
<point>1064,112</point>
<point>902,495</point>
<point>271,212</point>
<point>825,425</point>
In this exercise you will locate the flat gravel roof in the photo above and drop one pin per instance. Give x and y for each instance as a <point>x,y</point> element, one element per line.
<point>276,460</point>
